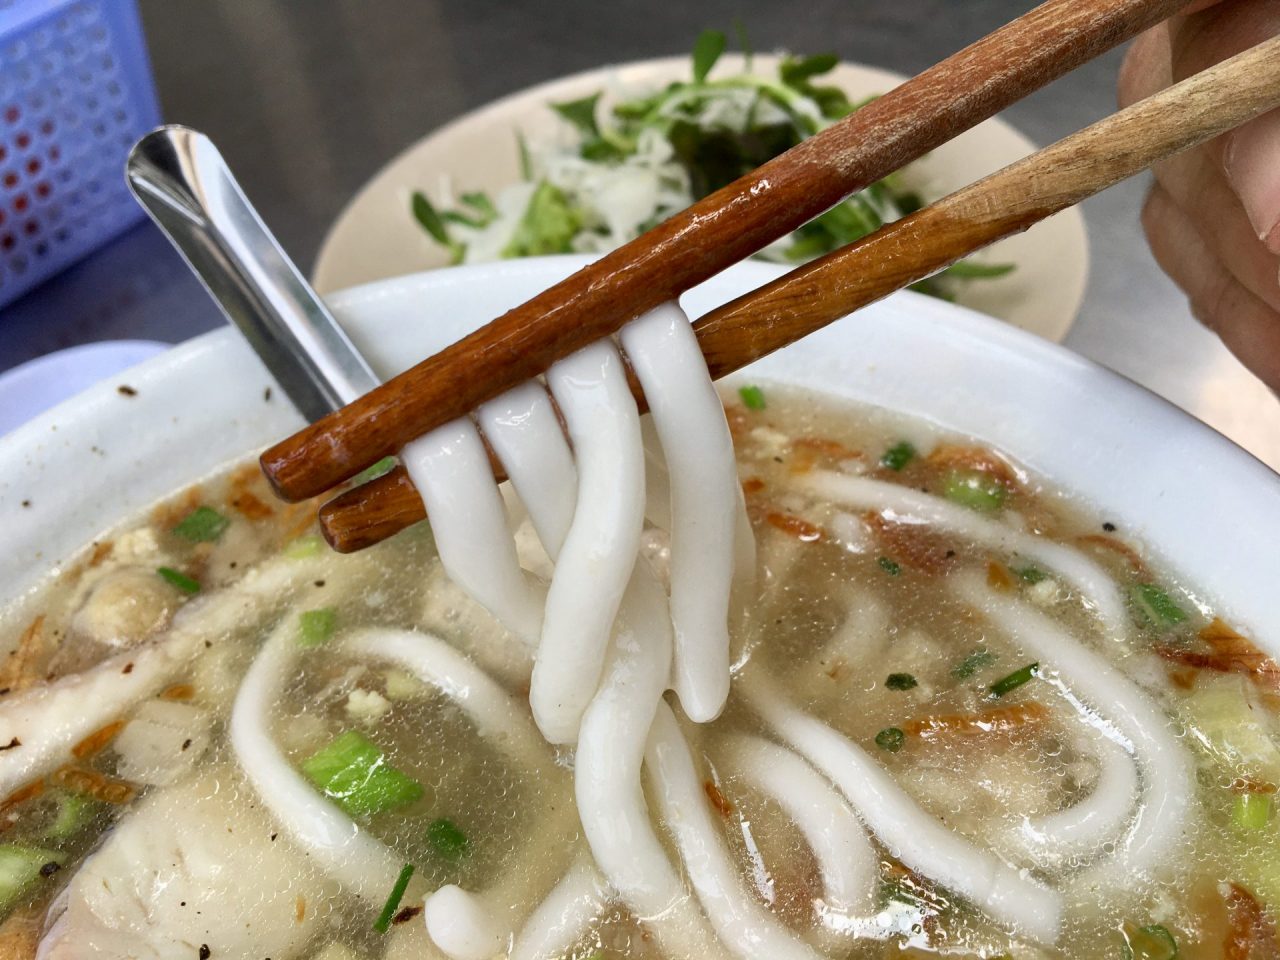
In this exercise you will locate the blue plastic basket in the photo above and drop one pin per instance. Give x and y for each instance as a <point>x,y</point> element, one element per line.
<point>75,93</point>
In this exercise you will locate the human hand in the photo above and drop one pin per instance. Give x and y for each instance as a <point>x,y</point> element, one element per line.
<point>1213,215</point>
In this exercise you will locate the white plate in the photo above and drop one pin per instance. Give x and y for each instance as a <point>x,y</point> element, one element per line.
<point>375,237</point>
<point>1164,477</point>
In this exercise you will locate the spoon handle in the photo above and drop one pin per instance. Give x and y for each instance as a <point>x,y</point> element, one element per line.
<point>181,180</point>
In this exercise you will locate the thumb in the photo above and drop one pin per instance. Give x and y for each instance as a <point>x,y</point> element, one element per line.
<point>1251,158</point>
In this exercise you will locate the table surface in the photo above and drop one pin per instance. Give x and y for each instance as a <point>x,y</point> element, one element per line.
<point>308,98</point>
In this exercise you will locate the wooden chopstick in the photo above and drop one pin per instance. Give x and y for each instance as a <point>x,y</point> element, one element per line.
<point>910,249</point>
<point>719,230</point>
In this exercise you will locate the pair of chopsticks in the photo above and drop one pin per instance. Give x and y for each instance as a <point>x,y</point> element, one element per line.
<point>770,202</point>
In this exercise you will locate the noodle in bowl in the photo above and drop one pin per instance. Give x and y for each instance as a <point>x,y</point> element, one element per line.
<point>1177,488</point>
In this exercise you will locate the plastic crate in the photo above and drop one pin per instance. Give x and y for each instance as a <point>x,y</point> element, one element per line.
<point>75,94</point>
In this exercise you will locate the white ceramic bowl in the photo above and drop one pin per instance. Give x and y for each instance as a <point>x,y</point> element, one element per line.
<point>374,236</point>
<point>1202,502</point>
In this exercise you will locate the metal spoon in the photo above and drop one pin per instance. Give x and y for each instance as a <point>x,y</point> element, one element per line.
<point>181,180</point>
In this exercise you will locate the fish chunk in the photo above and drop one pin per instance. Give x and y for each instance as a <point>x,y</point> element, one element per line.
<point>196,865</point>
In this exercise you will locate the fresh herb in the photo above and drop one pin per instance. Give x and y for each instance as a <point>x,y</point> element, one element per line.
<point>1014,680</point>
<point>898,456</point>
<point>968,270</point>
<point>1031,574</point>
<point>75,811</point>
<point>1152,942</point>
<point>431,222</point>
<point>674,146</point>
<point>971,664</point>
<point>975,490</point>
<point>891,739</point>
<point>354,772</point>
<point>1156,605</point>
<point>900,681</point>
<point>446,840</point>
<point>383,923</point>
<point>548,225</point>
<point>375,470</point>
<point>891,567</point>
<point>1252,810</point>
<point>202,525</point>
<point>179,579</point>
<point>706,51</point>
<point>315,627</point>
<point>752,397</point>
<point>305,546</point>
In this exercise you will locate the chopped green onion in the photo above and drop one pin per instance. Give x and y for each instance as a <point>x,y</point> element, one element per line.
<point>891,567</point>
<point>900,681</point>
<point>353,771</point>
<point>178,579</point>
<point>891,739</point>
<point>1014,680</point>
<point>706,51</point>
<point>971,664</point>
<point>315,627</point>
<point>1156,605</point>
<point>975,490</point>
<point>309,545</point>
<point>752,397</point>
<point>383,923</point>
<point>526,160</point>
<point>1031,574</point>
<point>202,525</point>
<point>898,456</point>
<point>446,840</point>
<point>375,470</point>
<point>548,225</point>
<point>75,810</point>
<point>1252,810</point>
<point>21,867</point>
<point>1152,942</point>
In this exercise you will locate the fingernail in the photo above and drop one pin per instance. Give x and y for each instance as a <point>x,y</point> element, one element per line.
<point>1252,162</point>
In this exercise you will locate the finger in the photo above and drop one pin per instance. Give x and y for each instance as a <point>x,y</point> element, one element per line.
<point>1147,66</point>
<point>1248,327</point>
<point>1250,156</point>
<point>1196,184</point>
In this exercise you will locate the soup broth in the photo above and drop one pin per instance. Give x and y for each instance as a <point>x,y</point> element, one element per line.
<point>911,587</point>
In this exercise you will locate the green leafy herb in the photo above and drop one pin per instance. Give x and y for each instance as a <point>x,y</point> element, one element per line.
<point>971,664</point>
<point>429,220</point>
<point>752,397</point>
<point>479,201</point>
<point>900,681</point>
<point>446,840</point>
<point>968,270</point>
<point>975,490</point>
<point>526,161</point>
<point>75,811</point>
<point>383,923</point>
<point>179,579</point>
<point>1031,574</point>
<point>1156,605</point>
<point>354,772</point>
<point>202,525</point>
<point>1014,680</point>
<point>891,567</point>
<point>898,456</point>
<point>548,225</point>
<point>796,71</point>
<point>1252,810</point>
<point>315,627</point>
<point>1152,942</point>
<point>706,51</point>
<point>891,739</point>
<point>581,113</point>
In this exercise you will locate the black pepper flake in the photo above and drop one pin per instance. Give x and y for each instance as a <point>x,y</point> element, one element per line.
<point>4,690</point>
<point>266,395</point>
<point>183,903</point>
<point>319,583</point>
<point>407,914</point>
<point>50,868</point>
<point>26,503</point>
<point>205,952</point>
<point>208,644</point>
<point>186,744</point>
<point>950,554</point>
<point>15,742</point>
<point>128,667</point>
<point>126,391</point>
<point>273,837</point>
<point>1109,527</point>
